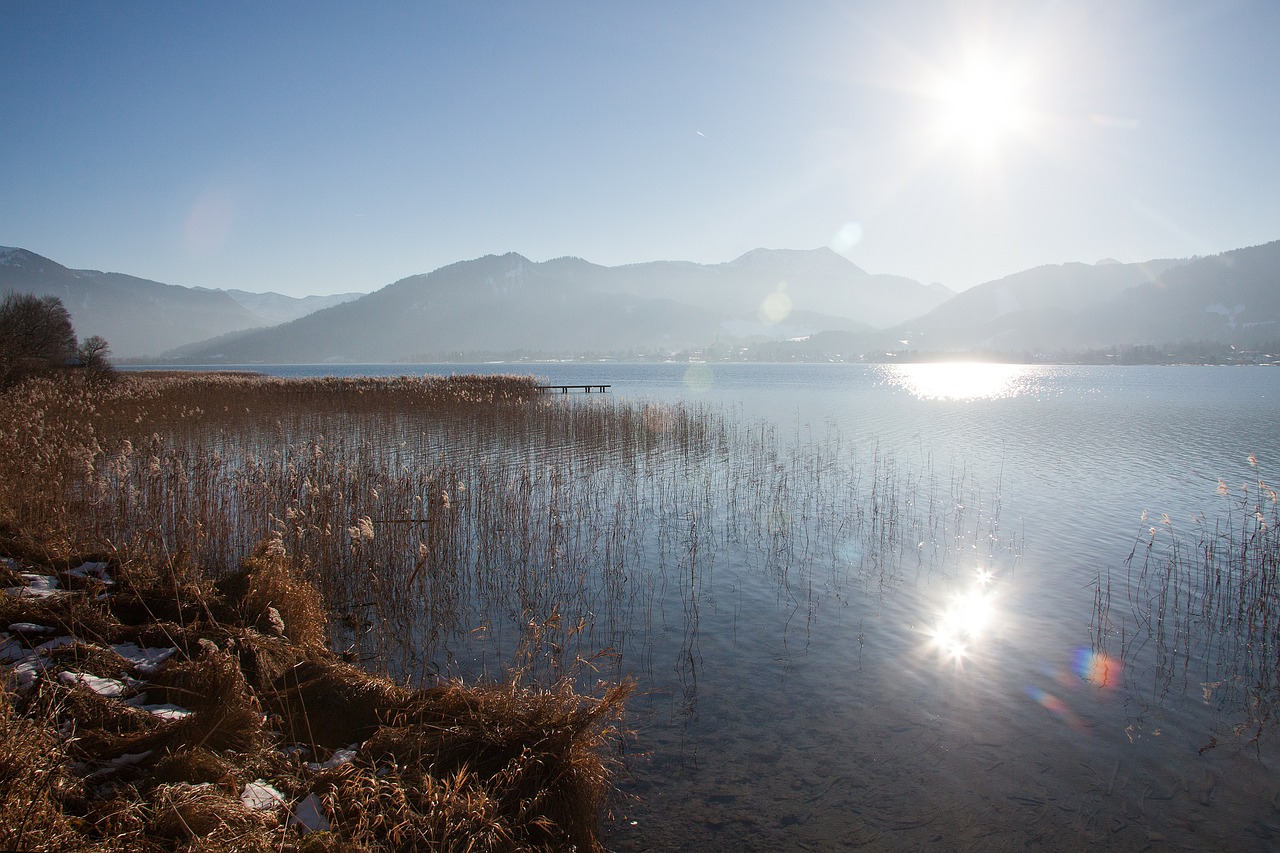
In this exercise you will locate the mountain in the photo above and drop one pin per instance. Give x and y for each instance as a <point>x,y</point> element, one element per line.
<point>508,304</point>
<point>275,308</point>
<point>1231,298</point>
<point>1227,299</point>
<point>1045,308</point>
<point>769,303</point>
<point>818,280</point>
<point>491,304</point>
<point>137,316</point>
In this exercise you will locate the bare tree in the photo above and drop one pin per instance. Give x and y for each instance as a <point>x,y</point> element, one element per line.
<point>35,334</point>
<point>93,353</point>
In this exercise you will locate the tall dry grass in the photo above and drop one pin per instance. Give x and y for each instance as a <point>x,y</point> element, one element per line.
<point>1198,610</point>
<point>133,472</point>
<point>443,528</point>
<point>488,767</point>
<point>439,518</point>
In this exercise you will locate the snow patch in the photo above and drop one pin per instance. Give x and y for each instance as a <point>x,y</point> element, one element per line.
<point>11,651</point>
<point>260,796</point>
<point>145,660</point>
<point>129,758</point>
<point>37,586</point>
<point>24,674</point>
<point>1228,313</point>
<point>28,628</point>
<point>167,711</point>
<point>97,570</point>
<point>308,815</point>
<point>108,687</point>
<point>56,643</point>
<point>339,757</point>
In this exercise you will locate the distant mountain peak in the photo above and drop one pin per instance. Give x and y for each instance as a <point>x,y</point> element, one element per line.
<point>24,259</point>
<point>138,316</point>
<point>9,253</point>
<point>763,255</point>
<point>822,259</point>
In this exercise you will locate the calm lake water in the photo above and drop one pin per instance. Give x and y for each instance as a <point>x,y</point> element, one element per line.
<point>796,702</point>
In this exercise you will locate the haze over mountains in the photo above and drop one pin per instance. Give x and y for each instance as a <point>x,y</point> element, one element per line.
<point>275,308</point>
<point>140,317</point>
<point>814,301</point>
<point>508,305</point>
<point>1230,299</point>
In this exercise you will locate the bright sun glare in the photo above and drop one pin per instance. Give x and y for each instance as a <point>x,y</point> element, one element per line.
<point>962,380</point>
<point>965,619</point>
<point>982,103</point>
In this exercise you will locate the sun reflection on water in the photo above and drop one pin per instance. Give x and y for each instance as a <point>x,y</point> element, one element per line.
<point>966,619</point>
<point>969,380</point>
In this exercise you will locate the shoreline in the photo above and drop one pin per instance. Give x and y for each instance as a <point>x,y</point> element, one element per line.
<point>156,701</point>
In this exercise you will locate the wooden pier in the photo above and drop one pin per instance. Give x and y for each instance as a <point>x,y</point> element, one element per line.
<point>565,389</point>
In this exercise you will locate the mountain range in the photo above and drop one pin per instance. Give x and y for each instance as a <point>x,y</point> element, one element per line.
<point>814,302</point>
<point>1231,299</point>
<point>275,308</point>
<point>140,317</point>
<point>506,305</point>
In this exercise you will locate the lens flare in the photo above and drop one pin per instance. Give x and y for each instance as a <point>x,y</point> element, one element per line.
<point>698,377</point>
<point>849,235</point>
<point>1056,707</point>
<point>776,307</point>
<point>1097,668</point>
<point>209,223</point>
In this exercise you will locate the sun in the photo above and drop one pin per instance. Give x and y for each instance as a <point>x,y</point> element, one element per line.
<point>982,104</point>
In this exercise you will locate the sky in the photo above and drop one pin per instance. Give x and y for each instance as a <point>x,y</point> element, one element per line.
<point>321,147</point>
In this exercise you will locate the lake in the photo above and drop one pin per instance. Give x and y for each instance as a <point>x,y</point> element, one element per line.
<point>797,691</point>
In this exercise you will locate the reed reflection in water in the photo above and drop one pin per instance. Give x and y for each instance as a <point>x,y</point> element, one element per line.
<point>455,542</point>
<point>776,592</point>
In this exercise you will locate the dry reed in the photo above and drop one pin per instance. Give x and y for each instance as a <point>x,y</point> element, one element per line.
<point>254,669</point>
<point>426,530</point>
<point>1203,610</point>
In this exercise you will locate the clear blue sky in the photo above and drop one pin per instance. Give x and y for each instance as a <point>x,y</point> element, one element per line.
<point>317,147</point>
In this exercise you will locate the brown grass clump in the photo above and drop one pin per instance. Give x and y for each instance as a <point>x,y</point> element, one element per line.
<point>170,481</point>
<point>204,813</point>
<point>328,703</point>
<point>455,767</point>
<point>394,809</point>
<point>90,657</point>
<point>34,781</point>
<point>195,766</point>
<point>227,715</point>
<point>538,748</point>
<point>268,581</point>
<point>72,615</point>
<point>98,721</point>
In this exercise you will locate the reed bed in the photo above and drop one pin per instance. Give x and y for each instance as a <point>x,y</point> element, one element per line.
<point>132,471</point>
<point>1201,610</point>
<point>455,513</point>
<point>436,530</point>
<point>275,733</point>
